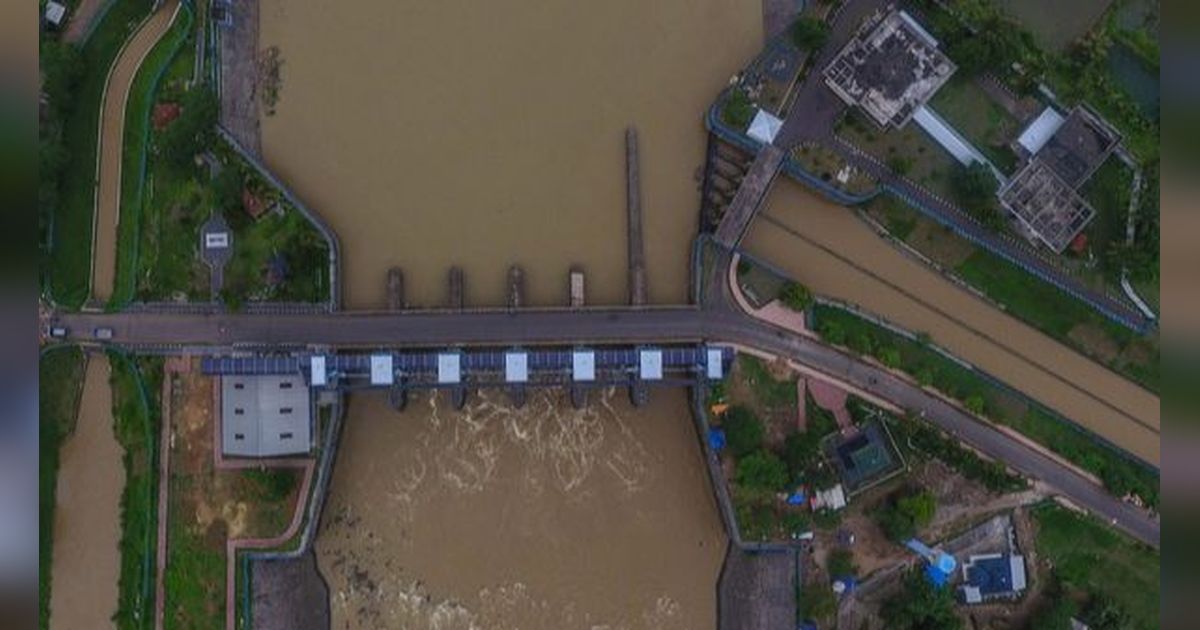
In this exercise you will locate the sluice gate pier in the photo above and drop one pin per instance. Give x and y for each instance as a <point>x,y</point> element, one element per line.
<point>514,369</point>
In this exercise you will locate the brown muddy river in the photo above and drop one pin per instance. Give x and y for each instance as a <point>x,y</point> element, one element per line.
<point>86,563</point>
<point>543,517</point>
<point>827,247</point>
<point>485,134</point>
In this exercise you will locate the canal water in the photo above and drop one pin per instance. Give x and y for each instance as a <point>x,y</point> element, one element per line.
<point>485,134</point>
<point>829,249</point>
<point>543,517</point>
<point>86,563</point>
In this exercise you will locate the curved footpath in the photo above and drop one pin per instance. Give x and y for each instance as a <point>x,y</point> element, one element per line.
<point>111,146</point>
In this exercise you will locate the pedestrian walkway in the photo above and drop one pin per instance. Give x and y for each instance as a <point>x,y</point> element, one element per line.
<point>112,145</point>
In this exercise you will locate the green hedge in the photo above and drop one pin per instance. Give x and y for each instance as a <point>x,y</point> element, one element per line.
<point>1119,473</point>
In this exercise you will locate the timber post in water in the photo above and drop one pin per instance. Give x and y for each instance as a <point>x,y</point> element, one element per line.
<point>456,287</point>
<point>633,200</point>
<point>395,289</point>
<point>516,286</point>
<point>575,287</point>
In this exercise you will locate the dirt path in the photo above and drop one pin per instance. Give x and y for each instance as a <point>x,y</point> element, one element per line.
<point>112,131</point>
<point>834,253</point>
<point>86,562</point>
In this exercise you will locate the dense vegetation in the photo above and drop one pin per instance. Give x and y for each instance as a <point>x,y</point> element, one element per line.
<point>73,93</point>
<point>988,397</point>
<point>905,512</point>
<point>1117,577</point>
<point>921,606</point>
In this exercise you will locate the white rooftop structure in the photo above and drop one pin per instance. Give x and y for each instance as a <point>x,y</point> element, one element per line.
<point>516,367</point>
<point>945,135</point>
<point>765,127</point>
<point>381,369</point>
<point>449,367</point>
<point>715,369</point>
<point>833,498</point>
<point>319,377</point>
<point>1039,132</point>
<point>583,365</point>
<point>216,240</point>
<point>265,415</point>
<point>55,13</point>
<point>650,365</point>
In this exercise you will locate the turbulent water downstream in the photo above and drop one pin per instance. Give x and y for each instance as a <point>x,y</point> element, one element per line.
<point>485,134</point>
<point>543,517</point>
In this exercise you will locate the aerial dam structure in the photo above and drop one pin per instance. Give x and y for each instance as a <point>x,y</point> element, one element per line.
<point>514,369</point>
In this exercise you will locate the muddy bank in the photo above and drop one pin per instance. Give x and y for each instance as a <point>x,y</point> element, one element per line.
<point>834,253</point>
<point>86,563</point>
<point>486,135</point>
<point>544,517</point>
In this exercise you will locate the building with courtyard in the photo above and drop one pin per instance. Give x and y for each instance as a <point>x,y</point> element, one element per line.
<point>1061,153</point>
<point>889,69</point>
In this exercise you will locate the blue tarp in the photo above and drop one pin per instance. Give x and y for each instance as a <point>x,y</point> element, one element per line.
<point>796,498</point>
<point>716,439</point>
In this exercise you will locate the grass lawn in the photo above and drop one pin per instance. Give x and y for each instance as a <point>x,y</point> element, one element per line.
<point>60,382</point>
<point>136,418</point>
<point>1057,314</point>
<point>1108,191</point>
<point>979,119</point>
<point>1089,556</point>
<point>909,151</point>
<point>70,262</point>
<point>772,393</point>
<point>826,165</point>
<point>1000,403</point>
<point>759,284</point>
<point>136,145</point>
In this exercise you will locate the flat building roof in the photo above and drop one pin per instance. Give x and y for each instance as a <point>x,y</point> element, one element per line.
<point>265,415</point>
<point>889,68</point>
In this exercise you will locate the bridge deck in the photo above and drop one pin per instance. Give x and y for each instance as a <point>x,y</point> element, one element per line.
<point>750,195</point>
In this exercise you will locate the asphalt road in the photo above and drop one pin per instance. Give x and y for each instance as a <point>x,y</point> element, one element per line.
<point>223,332</point>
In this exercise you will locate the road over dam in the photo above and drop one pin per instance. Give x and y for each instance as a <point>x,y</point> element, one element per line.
<point>223,332</point>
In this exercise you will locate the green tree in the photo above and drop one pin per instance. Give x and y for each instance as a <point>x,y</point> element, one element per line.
<point>194,130</point>
<point>925,377</point>
<point>974,188</point>
<point>738,110</point>
<point>795,296</point>
<point>832,332</point>
<point>1057,612</point>
<point>817,602</point>
<point>227,191</point>
<point>890,356</point>
<point>919,508</point>
<point>899,164</point>
<point>975,404</point>
<point>1105,613</point>
<point>904,513</point>
<point>921,606</point>
<point>809,33</point>
<point>743,431</point>
<point>841,563</point>
<point>762,470</point>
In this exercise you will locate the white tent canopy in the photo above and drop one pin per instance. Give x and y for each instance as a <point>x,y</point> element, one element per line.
<point>765,127</point>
